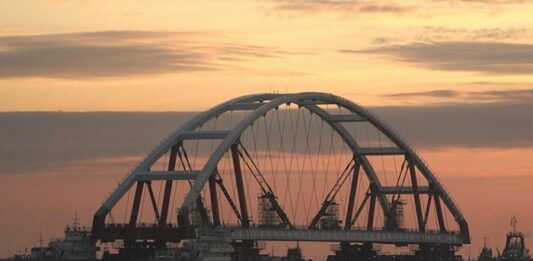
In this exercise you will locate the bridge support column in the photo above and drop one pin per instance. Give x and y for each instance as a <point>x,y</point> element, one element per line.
<point>136,203</point>
<point>214,200</point>
<point>135,210</point>
<point>371,209</point>
<point>240,184</point>
<point>416,195</point>
<point>440,216</point>
<point>168,187</point>
<point>353,191</point>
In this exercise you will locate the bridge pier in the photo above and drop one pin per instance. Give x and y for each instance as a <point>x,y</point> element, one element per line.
<point>347,251</point>
<point>245,251</point>
<point>354,252</point>
<point>437,252</point>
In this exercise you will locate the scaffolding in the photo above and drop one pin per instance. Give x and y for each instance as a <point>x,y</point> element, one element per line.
<point>268,216</point>
<point>395,219</point>
<point>330,220</point>
<point>198,215</point>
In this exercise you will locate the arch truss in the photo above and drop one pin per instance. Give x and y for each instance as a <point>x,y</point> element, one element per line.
<point>287,167</point>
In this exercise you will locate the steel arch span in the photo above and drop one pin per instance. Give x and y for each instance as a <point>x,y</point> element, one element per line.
<point>283,167</point>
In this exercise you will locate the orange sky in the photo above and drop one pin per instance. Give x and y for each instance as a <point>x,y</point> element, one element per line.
<point>46,202</point>
<point>79,55</point>
<point>56,55</point>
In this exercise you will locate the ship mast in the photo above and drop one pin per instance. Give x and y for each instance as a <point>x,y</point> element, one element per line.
<point>76,223</point>
<point>41,252</point>
<point>514,221</point>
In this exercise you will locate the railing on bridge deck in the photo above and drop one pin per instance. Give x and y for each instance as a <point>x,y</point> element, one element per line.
<point>357,234</point>
<point>111,232</point>
<point>172,233</point>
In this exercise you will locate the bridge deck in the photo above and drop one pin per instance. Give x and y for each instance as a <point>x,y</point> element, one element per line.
<point>173,234</point>
<point>372,236</point>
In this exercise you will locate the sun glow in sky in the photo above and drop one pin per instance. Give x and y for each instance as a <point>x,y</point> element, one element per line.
<point>454,76</point>
<point>160,55</point>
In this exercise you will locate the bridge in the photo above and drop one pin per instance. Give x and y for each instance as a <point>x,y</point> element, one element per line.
<point>283,167</point>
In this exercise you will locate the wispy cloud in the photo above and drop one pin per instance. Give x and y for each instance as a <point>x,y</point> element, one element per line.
<point>434,93</point>
<point>492,2</point>
<point>482,57</point>
<point>514,96</point>
<point>442,33</point>
<point>433,34</point>
<point>342,6</point>
<point>109,54</point>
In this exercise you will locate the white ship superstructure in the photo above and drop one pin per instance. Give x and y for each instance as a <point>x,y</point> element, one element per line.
<point>77,244</point>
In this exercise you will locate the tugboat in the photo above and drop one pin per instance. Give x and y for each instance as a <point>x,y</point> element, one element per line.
<point>294,254</point>
<point>486,252</point>
<point>515,248</point>
<point>76,246</point>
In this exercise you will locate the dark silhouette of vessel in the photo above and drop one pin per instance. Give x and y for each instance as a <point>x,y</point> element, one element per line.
<point>486,252</point>
<point>515,246</point>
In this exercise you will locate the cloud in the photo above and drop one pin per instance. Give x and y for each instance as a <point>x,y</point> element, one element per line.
<point>441,33</point>
<point>343,6</point>
<point>482,57</point>
<point>33,142</point>
<point>463,125</point>
<point>109,54</point>
<point>492,2</point>
<point>431,34</point>
<point>503,96</point>
<point>384,40</point>
<point>434,93</point>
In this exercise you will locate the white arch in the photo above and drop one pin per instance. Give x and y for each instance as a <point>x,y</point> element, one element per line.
<point>263,103</point>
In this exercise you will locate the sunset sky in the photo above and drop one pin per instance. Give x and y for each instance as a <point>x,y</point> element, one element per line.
<point>454,77</point>
<point>159,55</point>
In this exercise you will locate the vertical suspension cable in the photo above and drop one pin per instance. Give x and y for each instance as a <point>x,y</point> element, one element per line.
<point>446,213</point>
<point>342,159</point>
<point>221,169</point>
<point>173,200</point>
<point>111,216</point>
<point>395,166</point>
<point>328,163</point>
<point>301,171</point>
<point>368,140</point>
<point>220,204</point>
<point>361,169</point>
<point>195,150</point>
<point>262,149</point>
<point>165,167</point>
<point>359,189</point>
<point>269,152</point>
<point>382,158</point>
<point>142,206</point>
<point>254,138</point>
<point>318,156</point>
<point>247,177</point>
<point>230,169</point>
<point>368,144</point>
<point>127,206</point>
<point>281,150</point>
<point>294,131</point>
<point>210,153</point>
